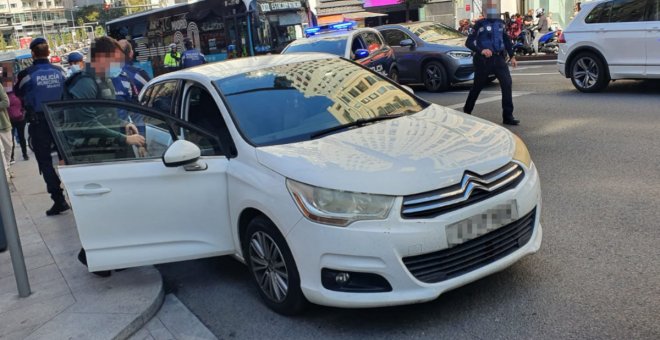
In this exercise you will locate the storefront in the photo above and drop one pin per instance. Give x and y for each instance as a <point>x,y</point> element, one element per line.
<point>219,29</point>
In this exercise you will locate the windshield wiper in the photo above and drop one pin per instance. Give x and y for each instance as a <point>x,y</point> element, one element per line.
<point>358,122</point>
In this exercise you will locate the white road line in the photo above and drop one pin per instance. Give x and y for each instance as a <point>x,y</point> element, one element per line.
<point>488,100</point>
<point>526,67</point>
<point>535,74</point>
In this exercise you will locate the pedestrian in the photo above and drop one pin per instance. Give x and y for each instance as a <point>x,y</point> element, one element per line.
<point>191,57</point>
<point>39,83</point>
<point>5,132</point>
<point>543,27</point>
<point>172,59</point>
<point>96,82</point>
<point>491,45</point>
<point>17,117</point>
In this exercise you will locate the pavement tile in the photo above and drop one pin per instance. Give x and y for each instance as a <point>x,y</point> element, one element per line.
<point>46,283</point>
<point>88,326</point>
<point>158,331</point>
<point>142,334</point>
<point>19,323</point>
<point>178,320</point>
<point>36,255</point>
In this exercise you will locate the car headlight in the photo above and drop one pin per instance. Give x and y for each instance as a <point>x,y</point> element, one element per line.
<point>459,54</point>
<point>338,208</point>
<point>521,154</point>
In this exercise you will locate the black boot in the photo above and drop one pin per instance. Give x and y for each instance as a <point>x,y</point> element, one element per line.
<point>57,208</point>
<point>82,257</point>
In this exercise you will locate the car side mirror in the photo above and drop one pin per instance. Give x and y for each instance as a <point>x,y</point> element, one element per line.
<point>407,42</point>
<point>361,54</point>
<point>181,152</point>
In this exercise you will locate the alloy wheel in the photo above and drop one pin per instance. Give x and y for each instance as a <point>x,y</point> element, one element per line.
<point>268,266</point>
<point>586,72</point>
<point>434,76</point>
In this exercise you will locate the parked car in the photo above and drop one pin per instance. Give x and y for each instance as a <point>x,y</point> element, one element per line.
<point>429,53</point>
<point>332,183</point>
<point>365,46</point>
<point>610,40</point>
<point>55,59</point>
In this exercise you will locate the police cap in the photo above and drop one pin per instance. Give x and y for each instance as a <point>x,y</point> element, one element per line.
<point>75,57</point>
<point>36,42</point>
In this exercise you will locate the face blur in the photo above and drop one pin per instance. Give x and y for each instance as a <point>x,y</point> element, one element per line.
<point>103,62</point>
<point>492,9</point>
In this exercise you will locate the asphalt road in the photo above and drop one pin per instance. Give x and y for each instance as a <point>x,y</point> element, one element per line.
<point>597,275</point>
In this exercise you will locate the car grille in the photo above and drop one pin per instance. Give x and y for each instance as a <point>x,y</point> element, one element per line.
<point>473,188</point>
<point>474,254</point>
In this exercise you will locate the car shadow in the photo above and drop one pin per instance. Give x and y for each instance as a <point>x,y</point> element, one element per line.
<point>647,86</point>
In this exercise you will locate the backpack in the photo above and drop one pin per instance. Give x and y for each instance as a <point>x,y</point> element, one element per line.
<point>15,109</point>
<point>71,82</point>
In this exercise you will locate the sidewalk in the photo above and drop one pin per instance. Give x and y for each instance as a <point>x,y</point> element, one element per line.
<point>67,302</point>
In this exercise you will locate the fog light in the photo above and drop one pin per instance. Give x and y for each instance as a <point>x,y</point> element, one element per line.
<point>342,278</point>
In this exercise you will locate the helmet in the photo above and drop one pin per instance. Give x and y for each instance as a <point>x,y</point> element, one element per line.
<point>172,45</point>
<point>540,12</point>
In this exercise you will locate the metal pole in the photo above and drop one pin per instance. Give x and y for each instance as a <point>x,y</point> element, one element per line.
<point>11,231</point>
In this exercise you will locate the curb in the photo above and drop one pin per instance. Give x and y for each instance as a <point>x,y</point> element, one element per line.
<point>146,316</point>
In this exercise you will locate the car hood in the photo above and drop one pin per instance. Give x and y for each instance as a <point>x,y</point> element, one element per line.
<point>424,151</point>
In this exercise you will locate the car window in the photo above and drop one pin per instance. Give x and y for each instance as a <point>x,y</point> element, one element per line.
<point>435,32</point>
<point>394,37</point>
<point>336,46</point>
<point>357,44</point>
<point>161,97</point>
<point>600,14</point>
<point>338,92</point>
<point>372,41</point>
<point>627,10</point>
<point>99,132</point>
<point>203,112</point>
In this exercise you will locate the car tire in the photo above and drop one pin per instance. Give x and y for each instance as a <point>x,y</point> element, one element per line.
<point>435,77</point>
<point>274,272</point>
<point>588,73</point>
<point>394,75</point>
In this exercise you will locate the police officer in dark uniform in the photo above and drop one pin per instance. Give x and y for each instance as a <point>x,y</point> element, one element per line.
<point>191,56</point>
<point>491,44</point>
<point>37,84</point>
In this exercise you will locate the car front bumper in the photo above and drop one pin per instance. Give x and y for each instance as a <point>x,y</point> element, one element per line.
<point>460,70</point>
<point>378,247</point>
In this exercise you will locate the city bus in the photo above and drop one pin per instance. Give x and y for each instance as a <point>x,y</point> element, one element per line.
<point>12,62</point>
<point>219,29</point>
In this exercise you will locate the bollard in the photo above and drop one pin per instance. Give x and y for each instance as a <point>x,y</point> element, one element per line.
<point>11,232</point>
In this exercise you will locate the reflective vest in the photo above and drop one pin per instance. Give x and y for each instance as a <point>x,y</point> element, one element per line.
<point>172,61</point>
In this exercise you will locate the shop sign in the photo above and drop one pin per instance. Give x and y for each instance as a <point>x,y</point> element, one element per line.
<point>179,23</point>
<point>280,6</point>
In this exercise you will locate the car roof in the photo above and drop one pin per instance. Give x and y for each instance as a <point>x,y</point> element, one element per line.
<point>229,68</point>
<point>331,35</point>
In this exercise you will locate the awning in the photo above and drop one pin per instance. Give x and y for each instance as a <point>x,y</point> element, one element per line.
<point>361,15</point>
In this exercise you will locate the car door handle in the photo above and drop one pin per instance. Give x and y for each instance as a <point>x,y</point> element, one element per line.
<point>91,191</point>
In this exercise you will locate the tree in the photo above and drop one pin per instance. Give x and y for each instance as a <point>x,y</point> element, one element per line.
<point>3,42</point>
<point>411,3</point>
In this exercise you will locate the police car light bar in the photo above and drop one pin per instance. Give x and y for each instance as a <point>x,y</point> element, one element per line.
<point>330,28</point>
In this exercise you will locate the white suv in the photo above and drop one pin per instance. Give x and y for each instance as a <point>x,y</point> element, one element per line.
<point>609,40</point>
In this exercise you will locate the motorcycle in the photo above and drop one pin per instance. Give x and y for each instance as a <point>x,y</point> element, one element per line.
<point>548,42</point>
<point>523,43</point>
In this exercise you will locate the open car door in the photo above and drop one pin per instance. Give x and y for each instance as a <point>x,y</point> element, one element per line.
<point>130,208</point>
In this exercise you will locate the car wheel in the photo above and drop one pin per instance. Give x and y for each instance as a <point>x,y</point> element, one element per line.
<point>272,267</point>
<point>435,77</point>
<point>394,75</point>
<point>588,73</point>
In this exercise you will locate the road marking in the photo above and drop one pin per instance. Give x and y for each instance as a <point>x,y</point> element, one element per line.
<point>535,74</point>
<point>526,67</point>
<point>489,99</point>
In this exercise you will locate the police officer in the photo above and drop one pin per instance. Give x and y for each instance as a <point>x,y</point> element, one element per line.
<point>76,63</point>
<point>132,79</point>
<point>191,56</point>
<point>172,58</point>
<point>491,44</point>
<point>39,83</point>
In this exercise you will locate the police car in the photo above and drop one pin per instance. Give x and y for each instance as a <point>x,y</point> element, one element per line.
<point>365,46</point>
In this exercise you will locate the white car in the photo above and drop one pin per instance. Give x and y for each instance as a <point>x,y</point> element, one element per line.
<point>332,183</point>
<point>611,39</point>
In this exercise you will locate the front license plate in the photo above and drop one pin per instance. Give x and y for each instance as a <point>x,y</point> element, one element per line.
<point>477,225</point>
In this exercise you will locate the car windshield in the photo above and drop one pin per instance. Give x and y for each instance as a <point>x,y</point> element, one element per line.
<point>336,46</point>
<point>294,102</point>
<point>435,33</point>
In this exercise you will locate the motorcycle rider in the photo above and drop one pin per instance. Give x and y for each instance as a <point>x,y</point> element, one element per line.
<point>543,27</point>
